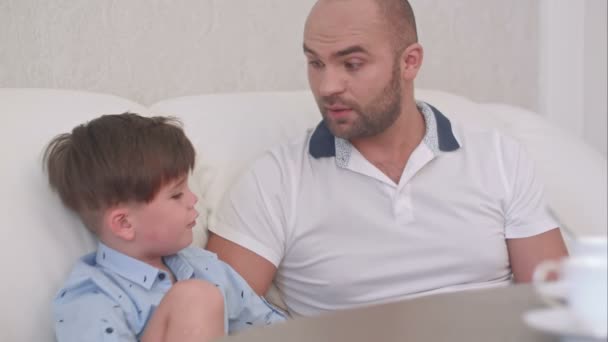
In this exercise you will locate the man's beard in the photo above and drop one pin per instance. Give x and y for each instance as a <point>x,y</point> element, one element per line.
<point>370,120</point>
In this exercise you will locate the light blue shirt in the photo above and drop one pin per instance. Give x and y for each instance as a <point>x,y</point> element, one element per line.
<point>110,296</point>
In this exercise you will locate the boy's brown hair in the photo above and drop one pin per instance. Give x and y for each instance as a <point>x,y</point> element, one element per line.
<point>116,159</point>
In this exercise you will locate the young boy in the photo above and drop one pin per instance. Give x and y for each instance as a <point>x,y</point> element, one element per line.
<point>126,176</point>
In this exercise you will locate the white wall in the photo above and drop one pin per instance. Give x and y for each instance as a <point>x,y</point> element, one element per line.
<point>596,73</point>
<point>547,55</point>
<point>484,49</point>
<point>148,50</point>
<point>572,60</point>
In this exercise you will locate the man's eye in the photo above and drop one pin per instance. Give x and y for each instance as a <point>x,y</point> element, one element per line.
<point>315,64</point>
<point>177,196</point>
<point>352,66</point>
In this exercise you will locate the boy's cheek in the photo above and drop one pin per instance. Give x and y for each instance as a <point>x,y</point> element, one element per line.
<point>152,237</point>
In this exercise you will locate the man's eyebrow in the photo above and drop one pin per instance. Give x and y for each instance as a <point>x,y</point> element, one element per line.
<point>350,50</point>
<point>308,50</point>
<point>341,53</point>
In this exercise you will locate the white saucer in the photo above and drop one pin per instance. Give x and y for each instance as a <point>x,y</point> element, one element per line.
<point>556,290</point>
<point>560,322</point>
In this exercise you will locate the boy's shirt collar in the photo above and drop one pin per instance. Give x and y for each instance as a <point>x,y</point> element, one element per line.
<point>138,271</point>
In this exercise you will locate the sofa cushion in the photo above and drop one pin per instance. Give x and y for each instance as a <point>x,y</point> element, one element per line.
<point>41,239</point>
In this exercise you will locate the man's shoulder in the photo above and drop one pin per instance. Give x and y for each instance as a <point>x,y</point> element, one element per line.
<point>295,146</point>
<point>285,156</point>
<point>484,137</point>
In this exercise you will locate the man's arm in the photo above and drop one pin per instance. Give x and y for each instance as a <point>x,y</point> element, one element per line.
<point>526,253</point>
<point>256,270</point>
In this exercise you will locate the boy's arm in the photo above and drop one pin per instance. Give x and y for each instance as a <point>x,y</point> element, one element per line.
<point>90,317</point>
<point>245,307</point>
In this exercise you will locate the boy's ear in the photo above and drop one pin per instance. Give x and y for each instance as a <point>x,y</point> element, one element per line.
<point>119,222</point>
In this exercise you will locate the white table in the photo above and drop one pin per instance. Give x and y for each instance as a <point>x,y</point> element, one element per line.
<point>486,316</point>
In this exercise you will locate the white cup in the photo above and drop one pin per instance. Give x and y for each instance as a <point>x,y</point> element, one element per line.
<point>585,282</point>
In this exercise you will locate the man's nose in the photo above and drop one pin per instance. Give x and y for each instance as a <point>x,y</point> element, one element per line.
<point>331,83</point>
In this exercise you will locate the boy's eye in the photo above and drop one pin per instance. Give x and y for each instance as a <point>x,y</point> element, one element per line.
<point>177,196</point>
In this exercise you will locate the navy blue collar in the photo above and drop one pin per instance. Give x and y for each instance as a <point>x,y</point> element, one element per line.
<point>323,142</point>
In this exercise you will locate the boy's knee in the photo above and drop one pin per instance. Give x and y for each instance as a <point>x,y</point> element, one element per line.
<point>198,291</point>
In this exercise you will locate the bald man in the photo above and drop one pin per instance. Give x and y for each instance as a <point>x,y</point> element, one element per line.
<point>387,198</point>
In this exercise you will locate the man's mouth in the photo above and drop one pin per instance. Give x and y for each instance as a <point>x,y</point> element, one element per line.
<point>338,111</point>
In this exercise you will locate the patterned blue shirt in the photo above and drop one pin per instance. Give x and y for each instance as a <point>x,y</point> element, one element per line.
<point>110,296</point>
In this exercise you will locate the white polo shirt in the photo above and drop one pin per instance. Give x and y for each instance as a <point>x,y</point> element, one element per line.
<point>342,234</point>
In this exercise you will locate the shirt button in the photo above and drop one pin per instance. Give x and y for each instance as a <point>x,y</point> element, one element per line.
<point>109,330</point>
<point>161,276</point>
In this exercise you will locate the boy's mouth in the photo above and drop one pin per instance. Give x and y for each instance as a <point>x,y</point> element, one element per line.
<point>193,223</point>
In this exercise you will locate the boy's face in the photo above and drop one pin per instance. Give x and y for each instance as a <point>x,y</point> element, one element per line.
<point>164,225</point>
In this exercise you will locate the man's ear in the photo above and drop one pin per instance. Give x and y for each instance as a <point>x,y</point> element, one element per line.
<point>411,61</point>
<point>119,220</point>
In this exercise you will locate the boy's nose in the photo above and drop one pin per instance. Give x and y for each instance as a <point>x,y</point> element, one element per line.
<point>194,198</point>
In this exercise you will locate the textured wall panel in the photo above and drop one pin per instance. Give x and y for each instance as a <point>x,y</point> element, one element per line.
<point>485,49</point>
<point>148,50</point>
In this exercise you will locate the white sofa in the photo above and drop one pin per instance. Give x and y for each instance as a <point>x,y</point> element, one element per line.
<point>42,240</point>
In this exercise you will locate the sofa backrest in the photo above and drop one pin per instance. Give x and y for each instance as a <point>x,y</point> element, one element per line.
<point>42,239</point>
<point>230,130</point>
